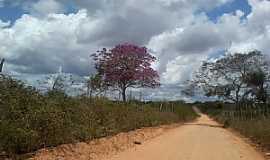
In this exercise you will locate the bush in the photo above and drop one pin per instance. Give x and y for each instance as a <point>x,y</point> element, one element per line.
<point>30,121</point>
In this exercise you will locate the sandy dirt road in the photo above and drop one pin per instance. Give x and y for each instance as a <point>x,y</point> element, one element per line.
<point>201,140</point>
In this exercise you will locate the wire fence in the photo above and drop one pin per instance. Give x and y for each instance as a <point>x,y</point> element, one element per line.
<point>247,112</point>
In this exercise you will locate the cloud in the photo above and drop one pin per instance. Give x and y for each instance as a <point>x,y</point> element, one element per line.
<point>45,7</point>
<point>40,46</point>
<point>129,21</point>
<point>200,39</point>
<point>181,50</point>
<point>47,39</point>
<point>258,17</point>
<point>180,69</point>
<point>4,24</point>
<point>139,21</point>
<point>254,32</point>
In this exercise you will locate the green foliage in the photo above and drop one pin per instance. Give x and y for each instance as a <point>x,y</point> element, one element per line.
<point>234,78</point>
<point>30,121</point>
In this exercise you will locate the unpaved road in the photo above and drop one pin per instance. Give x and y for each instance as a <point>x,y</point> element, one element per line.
<point>201,140</point>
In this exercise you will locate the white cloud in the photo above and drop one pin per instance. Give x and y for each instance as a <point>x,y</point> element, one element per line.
<point>35,45</point>
<point>240,13</point>
<point>254,33</point>
<point>182,49</point>
<point>4,24</point>
<point>180,69</point>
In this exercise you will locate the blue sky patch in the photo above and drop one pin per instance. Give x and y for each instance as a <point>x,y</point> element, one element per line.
<point>230,7</point>
<point>11,13</point>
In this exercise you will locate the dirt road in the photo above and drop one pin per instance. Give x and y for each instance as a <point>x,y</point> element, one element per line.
<point>201,140</point>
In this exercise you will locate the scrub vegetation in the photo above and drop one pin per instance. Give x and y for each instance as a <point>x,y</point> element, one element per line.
<point>30,120</point>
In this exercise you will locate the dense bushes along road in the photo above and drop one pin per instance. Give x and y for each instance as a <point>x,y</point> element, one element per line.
<point>30,121</point>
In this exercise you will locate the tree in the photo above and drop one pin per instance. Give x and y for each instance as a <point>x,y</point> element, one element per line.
<point>235,77</point>
<point>95,85</point>
<point>257,81</point>
<point>126,65</point>
<point>189,89</point>
<point>2,64</point>
<point>58,82</point>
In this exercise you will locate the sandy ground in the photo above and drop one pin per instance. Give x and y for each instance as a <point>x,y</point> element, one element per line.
<point>200,140</point>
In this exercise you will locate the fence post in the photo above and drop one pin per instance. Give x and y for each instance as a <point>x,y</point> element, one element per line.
<point>160,107</point>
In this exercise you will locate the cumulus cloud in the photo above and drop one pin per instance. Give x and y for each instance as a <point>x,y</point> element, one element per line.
<point>35,45</point>
<point>67,39</point>
<point>253,33</point>
<point>182,49</point>
<point>120,21</point>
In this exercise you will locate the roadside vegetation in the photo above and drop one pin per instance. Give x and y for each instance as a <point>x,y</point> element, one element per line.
<point>240,82</point>
<point>252,122</point>
<point>30,120</point>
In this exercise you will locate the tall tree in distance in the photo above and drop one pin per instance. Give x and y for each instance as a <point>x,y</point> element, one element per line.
<point>235,77</point>
<point>126,65</point>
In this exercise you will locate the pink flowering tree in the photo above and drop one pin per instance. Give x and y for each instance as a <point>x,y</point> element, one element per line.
<point>126,65</point>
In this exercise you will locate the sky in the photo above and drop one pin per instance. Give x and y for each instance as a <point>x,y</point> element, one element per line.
<point>39,36</point>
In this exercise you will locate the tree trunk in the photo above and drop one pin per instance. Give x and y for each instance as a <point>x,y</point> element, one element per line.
<point>124,94</point>
<point>237,94</point>
<point>2,64</point>
<point>90,95</point>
